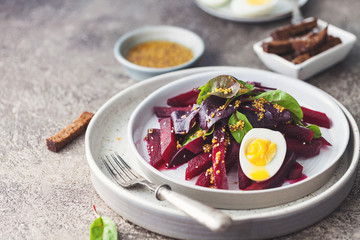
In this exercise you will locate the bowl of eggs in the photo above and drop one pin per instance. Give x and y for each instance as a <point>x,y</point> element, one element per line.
<point>153,50</point>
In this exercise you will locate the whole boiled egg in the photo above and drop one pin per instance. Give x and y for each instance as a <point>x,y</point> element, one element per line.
<point>252,8</point>
<point>262,152</point>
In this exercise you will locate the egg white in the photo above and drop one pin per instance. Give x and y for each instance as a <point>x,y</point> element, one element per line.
<point>274,165</point>
<point>242,9</point>
<point>214,3</point>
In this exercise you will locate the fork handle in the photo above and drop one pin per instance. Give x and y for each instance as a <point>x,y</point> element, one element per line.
<point>212,218</point>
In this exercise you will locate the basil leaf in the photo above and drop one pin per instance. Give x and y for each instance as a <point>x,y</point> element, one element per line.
<point>239,125</point>
<point>103,228</point>
<point>315,129</point>
<point>224,86</point>
<point>283,99</point>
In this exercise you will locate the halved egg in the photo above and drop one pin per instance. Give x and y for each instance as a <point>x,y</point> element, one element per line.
<point>251,8</point>
<point>214,3</point>
<point>262,152</point>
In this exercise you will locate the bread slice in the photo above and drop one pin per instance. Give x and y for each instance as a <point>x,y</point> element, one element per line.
<point>61,139</point>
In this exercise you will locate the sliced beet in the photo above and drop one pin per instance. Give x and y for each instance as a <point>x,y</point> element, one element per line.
<point>204,180</point>
<point>153,147</point>
<point>301,149</point>
<point>197,165</point>
<point>163,112</point>
<point>315,117</point>
<point>296,171</point>
<point>182,156</point>
<point>279,178</point>
<point>244,181</point>
<point>168,140</point>
<point>324,141</point>
<point>184,120</point>
<point>302,134</point>
<point>218,158</point>
<point>196,145</point>
<point>232,154</point>
<point>184,99</point>
<point>212,110</point>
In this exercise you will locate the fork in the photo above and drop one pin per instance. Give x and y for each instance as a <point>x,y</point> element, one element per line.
<point>125,176</point>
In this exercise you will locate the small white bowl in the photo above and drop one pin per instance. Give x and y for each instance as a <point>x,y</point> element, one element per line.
<point>157,33</point>
<point>313,65</point>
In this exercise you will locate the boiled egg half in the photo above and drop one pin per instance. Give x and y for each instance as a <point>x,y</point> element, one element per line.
<point>252,8</point>
<point>262,152</point>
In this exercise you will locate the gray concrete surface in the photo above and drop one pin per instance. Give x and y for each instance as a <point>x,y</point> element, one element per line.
<point>56,61</point>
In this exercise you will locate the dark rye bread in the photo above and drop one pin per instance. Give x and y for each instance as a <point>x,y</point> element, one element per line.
<point>294,30</point>
<point>277,46</point>
<point>61,139</point>
<point>302,45</point>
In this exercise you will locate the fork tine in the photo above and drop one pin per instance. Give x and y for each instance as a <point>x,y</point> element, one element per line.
<point>115,176</point>
<point>121,169</point>
<point>126,166</point>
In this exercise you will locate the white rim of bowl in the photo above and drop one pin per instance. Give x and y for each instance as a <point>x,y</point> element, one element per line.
<point>129,64</point>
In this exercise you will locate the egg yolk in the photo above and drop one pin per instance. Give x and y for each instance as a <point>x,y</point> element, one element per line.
<point>260,151</point>
<point>257,2</point>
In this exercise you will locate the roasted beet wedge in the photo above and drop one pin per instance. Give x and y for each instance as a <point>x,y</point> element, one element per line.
<point>196,145</point>
<point>153,147</point>
<point>306,150</point>
<point>204,180</point>
<point>168,140</point>
<point>302,134</point>
<point>315,117</point>
<point>185,99</point>
<point>182,156</point>
<point>232,154</point>
<point>244,181</point>
<point>296,171</point>
<point>279,178</point>
<point>218,158</point>
<point>197,165</point>
<point>163,112</point>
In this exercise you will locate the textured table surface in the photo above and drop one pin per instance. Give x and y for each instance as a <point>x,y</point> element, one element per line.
<point>56,61</point>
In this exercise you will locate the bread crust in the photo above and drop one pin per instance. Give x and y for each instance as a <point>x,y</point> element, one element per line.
<point>58,141</point>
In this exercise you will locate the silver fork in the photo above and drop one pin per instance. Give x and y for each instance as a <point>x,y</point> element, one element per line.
<point>125,176</point>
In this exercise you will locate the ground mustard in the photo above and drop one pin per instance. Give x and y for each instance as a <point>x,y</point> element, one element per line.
<point>159,54</point>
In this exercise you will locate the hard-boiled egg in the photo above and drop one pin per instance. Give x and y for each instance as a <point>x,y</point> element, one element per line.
<point>214,3</point>
<point>252,8</point>
<point>262,153</point>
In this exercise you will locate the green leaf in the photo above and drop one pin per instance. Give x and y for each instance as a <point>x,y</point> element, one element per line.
<point>239,125</point>
<point>283,99</point>
<point>315,129</point>
<point>192,134</point>
<point>103,228</point>
<point>224,86</point>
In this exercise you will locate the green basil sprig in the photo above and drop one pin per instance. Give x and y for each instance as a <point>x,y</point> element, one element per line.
<point>315,129</point>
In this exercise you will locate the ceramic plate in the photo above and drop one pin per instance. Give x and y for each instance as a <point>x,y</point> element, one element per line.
<point>107,132</point>
<point>281,10</point>
<point>317,169</point>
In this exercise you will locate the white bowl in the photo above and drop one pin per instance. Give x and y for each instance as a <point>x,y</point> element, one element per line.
<point>155,33</point>
<point>313,65</point>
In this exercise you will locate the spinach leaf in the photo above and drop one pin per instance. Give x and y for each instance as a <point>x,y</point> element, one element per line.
<point>224,86</point>
<point>283,99</point>
<point>193,134</point>
<point>103,228</point>
<point>315,129</point>
<point>239,125</point>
